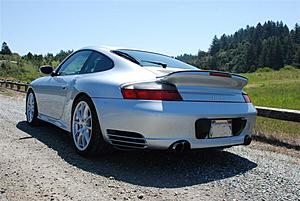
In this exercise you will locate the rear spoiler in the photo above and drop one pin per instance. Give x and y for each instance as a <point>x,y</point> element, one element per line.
<point>207,71</point>
<point>205,78</point>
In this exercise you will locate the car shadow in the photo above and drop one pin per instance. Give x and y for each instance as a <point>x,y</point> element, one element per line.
<point>146,168</point>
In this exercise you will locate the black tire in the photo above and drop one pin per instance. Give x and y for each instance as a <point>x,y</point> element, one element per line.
<point>34,121</point>
<point>97,145</point>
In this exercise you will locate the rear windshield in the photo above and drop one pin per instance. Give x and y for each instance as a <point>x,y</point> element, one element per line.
<point>144,58</point>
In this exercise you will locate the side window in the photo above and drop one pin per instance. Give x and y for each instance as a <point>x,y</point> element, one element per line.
<point>98,62</point>
<point>74,64</point>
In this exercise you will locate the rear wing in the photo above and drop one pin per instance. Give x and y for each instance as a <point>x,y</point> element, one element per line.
<point>208,78</point>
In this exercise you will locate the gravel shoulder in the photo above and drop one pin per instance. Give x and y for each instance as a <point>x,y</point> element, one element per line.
<point>40,164</point>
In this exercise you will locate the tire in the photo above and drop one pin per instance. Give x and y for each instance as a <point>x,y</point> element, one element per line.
<point>85,129</point>
<point>31,109</point>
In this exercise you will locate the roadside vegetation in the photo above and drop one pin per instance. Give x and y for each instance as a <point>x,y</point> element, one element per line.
<point>279,89</point>
<point>26,68</point>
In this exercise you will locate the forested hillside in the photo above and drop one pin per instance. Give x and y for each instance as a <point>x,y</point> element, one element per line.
<point>269,45</point>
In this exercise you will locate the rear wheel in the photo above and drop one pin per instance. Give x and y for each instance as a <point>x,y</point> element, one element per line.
<point>86,132</point>
<point>31,109</point>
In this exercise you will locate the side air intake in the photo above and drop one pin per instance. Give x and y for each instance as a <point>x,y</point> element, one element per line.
<point>126,139</point>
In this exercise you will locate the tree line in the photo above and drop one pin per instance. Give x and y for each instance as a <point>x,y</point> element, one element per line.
<point>269,45</point>
<point>36,60</point>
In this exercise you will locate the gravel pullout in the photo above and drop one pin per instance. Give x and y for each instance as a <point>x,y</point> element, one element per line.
<point>40,164</point>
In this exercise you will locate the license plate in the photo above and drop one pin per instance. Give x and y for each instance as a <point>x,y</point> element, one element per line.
<point>220,128</point>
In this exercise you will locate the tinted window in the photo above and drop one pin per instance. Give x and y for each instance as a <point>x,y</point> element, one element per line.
<point>152,59</point>
<point>97,62</point>
<point>74,64</point>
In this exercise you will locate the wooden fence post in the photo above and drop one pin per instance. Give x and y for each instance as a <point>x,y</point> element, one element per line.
<point>18,87</point>
<point>26,86</point>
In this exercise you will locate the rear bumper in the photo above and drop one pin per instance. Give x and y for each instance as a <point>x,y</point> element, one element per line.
<point>164,122</point>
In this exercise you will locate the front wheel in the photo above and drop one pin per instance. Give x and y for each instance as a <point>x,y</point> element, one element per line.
<point>31,109</point>
<point>86,132</point>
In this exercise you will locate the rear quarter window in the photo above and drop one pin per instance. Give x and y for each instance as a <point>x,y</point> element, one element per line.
<point>98,62</point>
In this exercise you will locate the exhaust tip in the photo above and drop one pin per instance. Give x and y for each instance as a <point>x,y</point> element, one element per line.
<point>247,140</point>
<point>180,146</point>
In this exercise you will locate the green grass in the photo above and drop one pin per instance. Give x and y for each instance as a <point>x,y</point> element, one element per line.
<point>279,89</point>
<point>284,131</point>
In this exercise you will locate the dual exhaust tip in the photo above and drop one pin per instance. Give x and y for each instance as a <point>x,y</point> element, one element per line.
<point>183,145</point>
<point>247,140</point>
<point>180,146</point>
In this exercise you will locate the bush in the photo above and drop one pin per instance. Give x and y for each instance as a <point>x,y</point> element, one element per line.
<point>288,67</point>
<point>264,69</point>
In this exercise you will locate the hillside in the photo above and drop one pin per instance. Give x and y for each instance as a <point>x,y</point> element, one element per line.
<point>271,44</point>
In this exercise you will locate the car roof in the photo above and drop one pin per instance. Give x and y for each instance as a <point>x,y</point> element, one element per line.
<point>111,48</point>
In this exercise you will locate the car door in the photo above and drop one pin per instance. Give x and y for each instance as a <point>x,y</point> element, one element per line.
<point>60,85</point>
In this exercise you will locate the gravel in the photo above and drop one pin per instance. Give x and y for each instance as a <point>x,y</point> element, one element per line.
<point>40,164</point>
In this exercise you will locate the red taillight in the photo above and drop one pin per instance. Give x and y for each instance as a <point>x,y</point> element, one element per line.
<point>148,94</point>
<point>247,98</point>
<point>219,74</point>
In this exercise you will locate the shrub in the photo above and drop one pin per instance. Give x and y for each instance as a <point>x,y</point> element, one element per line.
<point>288,67</point>
<point>264,69</point>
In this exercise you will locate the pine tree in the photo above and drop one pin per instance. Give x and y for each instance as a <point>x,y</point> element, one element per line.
<point>5,49</point>
<point>215,46</point>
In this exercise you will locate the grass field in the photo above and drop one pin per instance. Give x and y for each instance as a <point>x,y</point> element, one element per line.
<point>279,89</point>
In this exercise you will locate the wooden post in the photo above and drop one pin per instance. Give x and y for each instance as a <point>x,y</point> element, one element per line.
<point>26,86</point>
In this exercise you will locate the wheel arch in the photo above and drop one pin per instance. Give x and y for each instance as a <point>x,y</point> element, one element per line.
<point>81,94</point>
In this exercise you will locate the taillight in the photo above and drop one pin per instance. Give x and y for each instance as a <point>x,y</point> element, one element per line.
<point>247,98</point>
<point>148,94</point>
<point>219,74</point>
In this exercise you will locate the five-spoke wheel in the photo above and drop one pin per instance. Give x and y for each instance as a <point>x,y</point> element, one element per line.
<point>31,109</point>
<point>86,132</point>
<point>82,125</point>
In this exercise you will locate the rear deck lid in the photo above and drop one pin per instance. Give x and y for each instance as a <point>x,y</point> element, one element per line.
<point>211,86</point>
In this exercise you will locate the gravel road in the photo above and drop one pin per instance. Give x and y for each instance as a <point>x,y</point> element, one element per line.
<point>40,164</point>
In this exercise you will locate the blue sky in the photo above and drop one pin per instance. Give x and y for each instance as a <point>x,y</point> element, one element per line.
<point>170,27</point>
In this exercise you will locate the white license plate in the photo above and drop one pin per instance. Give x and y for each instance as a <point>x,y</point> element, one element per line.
<point>220,128</point>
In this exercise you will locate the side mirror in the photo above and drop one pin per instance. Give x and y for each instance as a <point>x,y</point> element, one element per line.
<point>46,69</point>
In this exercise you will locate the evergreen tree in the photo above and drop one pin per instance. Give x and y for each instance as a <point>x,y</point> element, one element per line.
<point>5,49</point>
<point>215,46</point>
<point>270,44</point>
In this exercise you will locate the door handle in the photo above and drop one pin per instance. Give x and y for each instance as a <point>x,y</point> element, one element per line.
<point>64,87</point>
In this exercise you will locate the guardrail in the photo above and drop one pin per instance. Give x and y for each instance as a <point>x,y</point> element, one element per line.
<point>18,86</point>
<point>274,113</point>
<point>278,113</point>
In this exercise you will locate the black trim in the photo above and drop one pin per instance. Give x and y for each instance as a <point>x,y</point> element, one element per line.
<point>120,50</point>
<point>126,56</point>
<point>203,125</point>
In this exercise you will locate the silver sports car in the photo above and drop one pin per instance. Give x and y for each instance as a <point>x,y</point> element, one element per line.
<point>133,99</point>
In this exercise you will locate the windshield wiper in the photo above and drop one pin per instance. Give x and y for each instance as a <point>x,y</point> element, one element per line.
<point>157,63</point>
